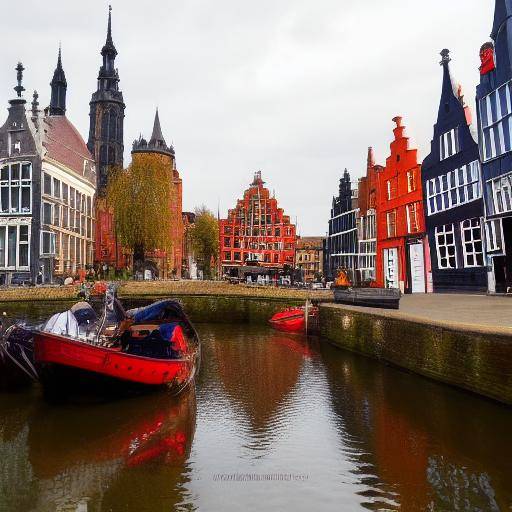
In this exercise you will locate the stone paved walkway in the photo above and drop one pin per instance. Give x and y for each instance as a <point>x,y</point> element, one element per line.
<point>468,312</point>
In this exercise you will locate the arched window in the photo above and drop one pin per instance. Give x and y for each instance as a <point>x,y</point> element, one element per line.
<point>113,125</point>
<point>111,156</point>
<point>103,155</point>
<point>104,125</point>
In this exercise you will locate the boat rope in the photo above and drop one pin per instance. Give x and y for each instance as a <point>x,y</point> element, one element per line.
<point>34,375</point>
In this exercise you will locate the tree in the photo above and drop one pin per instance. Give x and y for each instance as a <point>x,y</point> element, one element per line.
<point>140,197</point>
<point>205,240</point>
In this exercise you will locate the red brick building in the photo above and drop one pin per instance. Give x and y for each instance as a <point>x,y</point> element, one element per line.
<point>256,233</point>
<point>402,247</point>
<point>368,189</point>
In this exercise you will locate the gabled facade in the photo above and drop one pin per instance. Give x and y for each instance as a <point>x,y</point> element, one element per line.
<point>494,104</point>
<point>367,220</point>
<point>47,189</point>
<point>309,258</point>
<point>257,233</point>
<point>342,243</point>
<point>453,196</point>
<point>402,247</point>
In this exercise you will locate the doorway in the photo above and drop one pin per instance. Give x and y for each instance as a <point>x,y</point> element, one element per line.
<point>391,279</point>
<point>417,268</point>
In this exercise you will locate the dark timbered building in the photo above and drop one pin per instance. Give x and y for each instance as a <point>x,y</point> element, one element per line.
<point>342,242</point>
<point>494,102</point>
<point>453,195</point>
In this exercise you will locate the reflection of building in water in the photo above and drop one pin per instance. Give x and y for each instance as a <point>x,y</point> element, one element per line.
<point>412,457</point>
<point>258,375</point>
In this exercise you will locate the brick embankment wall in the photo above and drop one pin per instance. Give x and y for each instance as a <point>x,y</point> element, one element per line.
<point>477,360</point>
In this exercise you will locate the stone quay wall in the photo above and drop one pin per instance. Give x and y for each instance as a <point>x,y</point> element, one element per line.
<point>476,360</point>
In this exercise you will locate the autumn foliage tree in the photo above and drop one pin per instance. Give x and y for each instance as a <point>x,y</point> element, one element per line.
<point>205,240</point>
<point>140,197</point>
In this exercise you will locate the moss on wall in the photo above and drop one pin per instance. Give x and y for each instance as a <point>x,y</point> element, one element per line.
<point>224,309</point>
<point>478,362</point>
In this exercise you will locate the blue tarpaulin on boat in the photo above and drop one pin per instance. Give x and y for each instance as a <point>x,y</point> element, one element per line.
<point>157,311</point>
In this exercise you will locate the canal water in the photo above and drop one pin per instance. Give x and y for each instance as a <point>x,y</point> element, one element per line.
<point>275,422</point>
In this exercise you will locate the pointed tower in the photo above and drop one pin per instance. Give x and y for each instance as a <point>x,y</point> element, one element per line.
<point>157,142</point>
<point>59,87</point>
<point>107,114</point>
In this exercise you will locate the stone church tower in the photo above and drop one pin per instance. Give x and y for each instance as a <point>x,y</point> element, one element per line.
<point>106,145</point>
<point>107,115</point>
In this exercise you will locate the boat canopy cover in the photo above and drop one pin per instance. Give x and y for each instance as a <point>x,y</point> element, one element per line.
<point>62,324</point>
<point>162,310</point>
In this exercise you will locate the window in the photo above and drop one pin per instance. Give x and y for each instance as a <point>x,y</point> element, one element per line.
<point>47,184</point>
<point>14,246</point>
<point>15,188</point>
<point>411,181</point>
<point>449,143</point>
<point>495,114</point>
<point>237,256</point>
<point>412,218</point>
<point>494,235</point>
<point>56,215</point>
<point>65,192</point>
<point>47,213</point>
<point>391,186</point>
<point>56,188</point>
<point>391,223</point>
<point>454,189</point>
<point>23,246</point>
<point>502,193</point>
<point>472,243</point>
<point>47,243</point>
<point>445,245</point>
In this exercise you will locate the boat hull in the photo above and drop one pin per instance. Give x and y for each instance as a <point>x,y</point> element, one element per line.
<point>70,365</point>
<point>386,298</point>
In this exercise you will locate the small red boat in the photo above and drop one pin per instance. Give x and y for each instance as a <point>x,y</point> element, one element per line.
<point>294,319</point>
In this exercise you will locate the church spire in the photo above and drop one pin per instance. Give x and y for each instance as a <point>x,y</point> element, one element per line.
<point>59,87</point>
<point>108,73</point>
<point>157,138</point>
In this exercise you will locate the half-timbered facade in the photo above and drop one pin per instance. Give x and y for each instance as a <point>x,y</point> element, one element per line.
<point>453,195</point>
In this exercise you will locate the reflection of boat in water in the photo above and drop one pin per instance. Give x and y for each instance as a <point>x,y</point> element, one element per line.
<point>117,351</point>
<point>79,454</point>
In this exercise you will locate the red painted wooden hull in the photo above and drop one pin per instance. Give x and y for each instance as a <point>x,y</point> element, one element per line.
<point>291,320</point>
<point>51,349</point>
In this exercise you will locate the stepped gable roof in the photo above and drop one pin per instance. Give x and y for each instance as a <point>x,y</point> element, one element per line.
<point>65,144</point>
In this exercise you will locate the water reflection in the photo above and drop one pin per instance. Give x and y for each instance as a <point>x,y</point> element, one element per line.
<point>363,435</point>
<point>84,458</point>
<point>417,444</point>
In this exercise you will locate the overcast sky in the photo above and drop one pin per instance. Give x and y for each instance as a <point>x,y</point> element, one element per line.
<point>295,88</point>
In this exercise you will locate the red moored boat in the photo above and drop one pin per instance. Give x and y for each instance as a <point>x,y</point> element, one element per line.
<point>293,319</point>
<point>112,353</point>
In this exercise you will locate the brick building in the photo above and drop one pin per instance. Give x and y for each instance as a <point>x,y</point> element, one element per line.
<point>257,233</point>
<point>402,247</point>
<point>368,189</point>
<point>309,256</point>
<point>165,264</point>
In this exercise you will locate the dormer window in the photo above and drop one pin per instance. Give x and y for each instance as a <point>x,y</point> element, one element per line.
<point>449,143</point>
